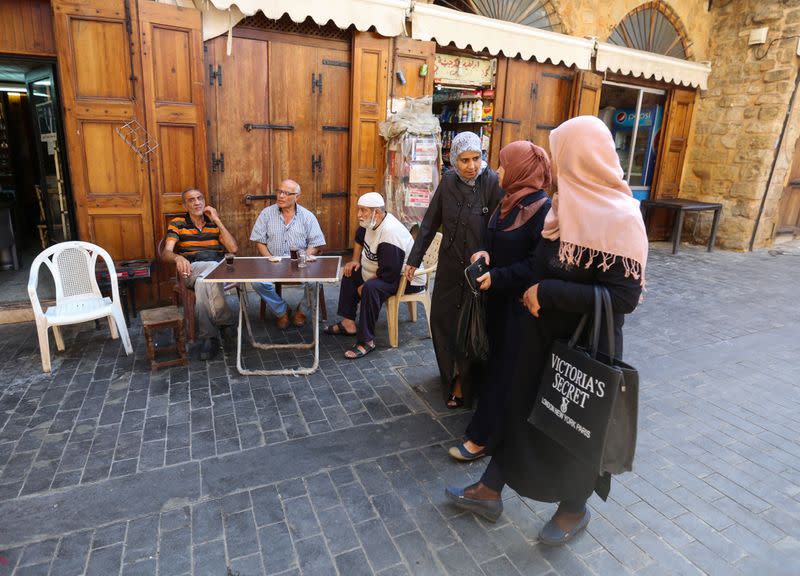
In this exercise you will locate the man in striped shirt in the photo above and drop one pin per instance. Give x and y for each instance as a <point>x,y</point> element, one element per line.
<point>281,228</point>
<point>195,243</point>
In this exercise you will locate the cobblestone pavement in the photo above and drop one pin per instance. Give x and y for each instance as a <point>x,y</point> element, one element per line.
<point>108,469</point>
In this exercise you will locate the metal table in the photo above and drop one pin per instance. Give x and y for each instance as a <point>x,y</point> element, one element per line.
<point>260,269</point>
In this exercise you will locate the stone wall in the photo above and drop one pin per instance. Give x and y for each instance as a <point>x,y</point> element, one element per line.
<point>738,120</point>
<point>583,18</point>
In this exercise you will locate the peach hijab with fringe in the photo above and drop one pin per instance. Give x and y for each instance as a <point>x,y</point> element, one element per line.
<point>593,214</point>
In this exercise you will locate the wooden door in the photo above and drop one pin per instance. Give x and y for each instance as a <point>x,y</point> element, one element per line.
<point>172,62</point>
<point>237,97</point>
<point>551,104</point>
<point>532,99</point>
<point>789,208</point>
<point>332,145</point>
<point>101,93</point>
<point>586,94</point>
<point>409,56</point>
<point>292,69</point>
<point>370,79</point>
<point>673,143</point>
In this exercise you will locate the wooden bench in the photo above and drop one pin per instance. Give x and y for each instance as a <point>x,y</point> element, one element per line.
<point>680,207</point>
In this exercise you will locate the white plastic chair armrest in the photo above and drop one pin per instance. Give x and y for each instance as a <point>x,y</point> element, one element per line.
<point>33,283</point>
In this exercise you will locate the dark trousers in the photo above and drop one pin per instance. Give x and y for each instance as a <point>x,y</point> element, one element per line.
<point>485,427</point>
<point>373,294</point>
<point>493,479</point>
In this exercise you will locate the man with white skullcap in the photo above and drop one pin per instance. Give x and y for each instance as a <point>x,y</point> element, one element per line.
<point>382,245</point>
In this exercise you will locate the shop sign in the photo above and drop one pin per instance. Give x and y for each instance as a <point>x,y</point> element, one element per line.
<point>462,70</point>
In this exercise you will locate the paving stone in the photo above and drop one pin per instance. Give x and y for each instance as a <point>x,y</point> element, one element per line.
<point>314,557</point>
<point>338,530</point>
<point>206,521</point>
<point>38,553</point>
<point>353,563</point>
<point>240,534</point>
<point>174,552</point>
<point>277,550</point>
<point>417,555</point>
<point>267,506</point>
<point>300,518</point>
<point>247,566</point>
<point>209,559</point>
<point>104,561</point>
<point>377,544</point>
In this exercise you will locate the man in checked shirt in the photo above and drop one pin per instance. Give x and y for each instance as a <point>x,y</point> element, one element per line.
<point>280,228</point>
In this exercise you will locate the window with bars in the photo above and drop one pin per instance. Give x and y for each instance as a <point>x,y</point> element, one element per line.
<point>648,28</point>
<point>533,13</point>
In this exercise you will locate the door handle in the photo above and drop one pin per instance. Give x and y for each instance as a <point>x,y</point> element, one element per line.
<point>509,121</point>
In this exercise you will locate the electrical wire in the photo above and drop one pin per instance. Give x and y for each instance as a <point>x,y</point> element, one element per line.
<point>771,42</point>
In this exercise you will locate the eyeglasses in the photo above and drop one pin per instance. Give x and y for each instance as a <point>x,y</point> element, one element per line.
<point>285,193</point>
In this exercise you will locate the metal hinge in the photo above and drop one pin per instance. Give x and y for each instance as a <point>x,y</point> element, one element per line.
<point>316,83</point>
<point>214,75</point>
<point>218,164</point>
<point>316,164</point>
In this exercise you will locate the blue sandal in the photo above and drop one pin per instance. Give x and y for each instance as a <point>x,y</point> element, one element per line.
<point>461,453</point>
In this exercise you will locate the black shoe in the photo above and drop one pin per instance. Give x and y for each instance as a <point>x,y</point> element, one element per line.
<point>209,349</point>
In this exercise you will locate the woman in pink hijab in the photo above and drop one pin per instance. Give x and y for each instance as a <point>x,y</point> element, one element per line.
<point>593,234</point>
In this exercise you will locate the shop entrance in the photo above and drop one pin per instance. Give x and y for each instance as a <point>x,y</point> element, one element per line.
<point>35,202</point>
<point>637,143</point>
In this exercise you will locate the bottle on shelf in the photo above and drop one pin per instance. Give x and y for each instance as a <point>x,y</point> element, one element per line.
<point>477,110</point>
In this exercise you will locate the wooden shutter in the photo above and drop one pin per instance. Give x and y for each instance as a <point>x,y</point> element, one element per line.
<point>100,70</point>
<point>172,62</point>
<point>586,94</point>
<point>238,94</point>
<point>332,107</point>
<point>370,79</point>
<point>673,143</point>
<point>551,102</point>
<point>409,56</point>
<point>532,99</point>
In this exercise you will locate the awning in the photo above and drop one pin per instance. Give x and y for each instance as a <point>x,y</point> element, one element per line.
<point>388,16</point>
<point>613,58</point>
<point>430,22</point>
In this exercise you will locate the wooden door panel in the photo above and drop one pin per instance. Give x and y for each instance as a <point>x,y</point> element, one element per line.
<point>172,51</point>
<point>107,73</point>
<point>676,137</point>
<point>242,99</point>
<point>290,94</point>
<point>332,145</point>
<point>27,28</point>
<point>552,102</point>
<point>586,94</point>
<point>409,56</point>
<point>370,66</point>
<point>789,207</point>
<point>172,60</point>
<point>110,182</point>
<point>515,123</point>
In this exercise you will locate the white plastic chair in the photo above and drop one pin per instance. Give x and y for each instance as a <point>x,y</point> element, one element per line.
<point>429,263</point>
<point>78,298</point>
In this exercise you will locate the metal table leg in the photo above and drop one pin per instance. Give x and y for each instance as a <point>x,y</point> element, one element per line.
<point>676,231</point>
<point>243,318</point>
<point>714,224</point>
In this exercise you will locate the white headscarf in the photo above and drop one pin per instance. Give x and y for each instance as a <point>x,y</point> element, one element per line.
<point>465,142</point>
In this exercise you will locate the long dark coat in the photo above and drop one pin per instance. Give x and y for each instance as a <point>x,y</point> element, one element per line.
<point>462,212</point>
<point>534,465</point>
<point>511,255</point>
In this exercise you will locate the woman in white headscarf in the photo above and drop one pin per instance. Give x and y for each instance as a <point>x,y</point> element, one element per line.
<point>462,205</point>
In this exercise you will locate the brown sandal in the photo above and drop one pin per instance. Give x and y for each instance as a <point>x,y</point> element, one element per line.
<point>454,402</point>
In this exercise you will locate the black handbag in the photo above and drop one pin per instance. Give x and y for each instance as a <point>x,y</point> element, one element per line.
<point>587,401</point>
<point>472,339</point>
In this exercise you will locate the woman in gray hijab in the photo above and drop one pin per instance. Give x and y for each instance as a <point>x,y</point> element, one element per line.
<point>462,205</point>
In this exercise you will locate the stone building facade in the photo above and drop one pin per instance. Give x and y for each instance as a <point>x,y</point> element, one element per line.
<point>739,124</point>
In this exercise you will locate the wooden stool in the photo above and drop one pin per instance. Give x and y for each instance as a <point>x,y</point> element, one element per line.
<point>161,319</point>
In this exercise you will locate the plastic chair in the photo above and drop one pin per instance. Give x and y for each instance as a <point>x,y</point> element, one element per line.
<point>429,263</point>
<point>78,298</point>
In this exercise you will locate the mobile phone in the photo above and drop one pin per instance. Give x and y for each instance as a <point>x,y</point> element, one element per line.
<point>475,271</point>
